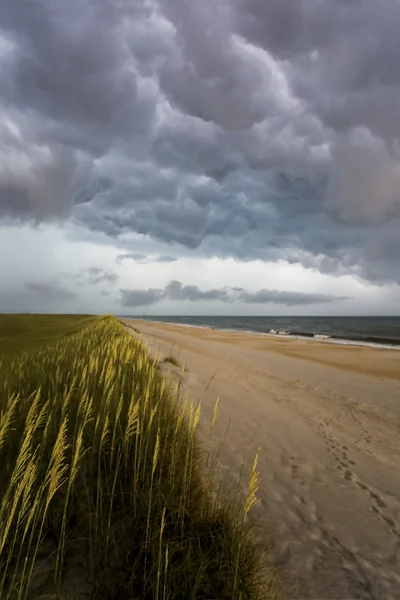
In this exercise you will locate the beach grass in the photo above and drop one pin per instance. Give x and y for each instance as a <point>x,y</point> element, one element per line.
<point>172,360</point>
<point>103,489</point>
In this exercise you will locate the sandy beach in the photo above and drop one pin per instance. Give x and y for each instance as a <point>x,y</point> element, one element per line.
<point>326,419</point>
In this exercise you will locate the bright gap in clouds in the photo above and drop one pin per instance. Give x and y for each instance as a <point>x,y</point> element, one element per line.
<point>50,269</point>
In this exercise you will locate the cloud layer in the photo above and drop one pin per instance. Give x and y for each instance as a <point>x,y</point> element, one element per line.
<point>176,291</point>
<point>240,128</point>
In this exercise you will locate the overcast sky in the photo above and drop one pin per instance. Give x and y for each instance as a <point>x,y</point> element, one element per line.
<point>209,157</point>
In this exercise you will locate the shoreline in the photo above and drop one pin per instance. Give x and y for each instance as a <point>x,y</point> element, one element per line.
<point>325,420</point>
<point>368,360</point>
<point>313,337</point>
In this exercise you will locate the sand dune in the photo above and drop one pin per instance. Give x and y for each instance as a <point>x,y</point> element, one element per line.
<point>327,421</point>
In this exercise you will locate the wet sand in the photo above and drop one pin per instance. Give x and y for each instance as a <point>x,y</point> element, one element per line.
<point>326,419</point>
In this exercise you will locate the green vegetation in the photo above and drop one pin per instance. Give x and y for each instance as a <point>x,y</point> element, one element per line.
<point>20,332</point>
<point>103,489</point>
<point>173,360</point>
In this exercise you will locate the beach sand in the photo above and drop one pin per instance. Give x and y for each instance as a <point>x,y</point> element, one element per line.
<point>326,419</point>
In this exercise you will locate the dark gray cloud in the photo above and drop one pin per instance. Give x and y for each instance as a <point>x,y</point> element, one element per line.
<point>252,129</point>
<point>37,181</point>
<point>140,297</point>
<point>176,291</point>
<point>165,258</point>
<point>136,256</point>
<point>90,276</point>
<point>95,275</point>
<point>140,258</point>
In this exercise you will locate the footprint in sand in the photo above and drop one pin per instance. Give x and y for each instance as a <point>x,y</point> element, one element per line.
<point>344,464</point>
<point>379,507</point>
<point>339,452</point>
<point>362,485</point>
<point>379,502</point>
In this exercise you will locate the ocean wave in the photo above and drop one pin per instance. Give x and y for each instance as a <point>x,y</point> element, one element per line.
<point>337,337</point>
<point>379,342</point>
<point>279,332</point>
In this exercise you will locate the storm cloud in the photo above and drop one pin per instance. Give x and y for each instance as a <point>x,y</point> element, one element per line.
<point>175,290</point>
<point>95,275</point>
<point>247,129</point>
<point>140,258</point>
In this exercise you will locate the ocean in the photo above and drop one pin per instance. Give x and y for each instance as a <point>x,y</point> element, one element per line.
<point>376,331</point>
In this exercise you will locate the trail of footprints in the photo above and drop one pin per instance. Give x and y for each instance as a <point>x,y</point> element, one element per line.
<point>345,465</point>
